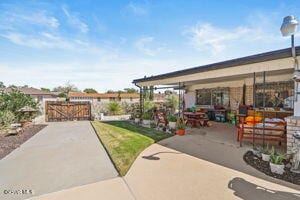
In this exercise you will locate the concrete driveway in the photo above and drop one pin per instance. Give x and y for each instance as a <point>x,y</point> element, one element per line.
<point>61,156</point>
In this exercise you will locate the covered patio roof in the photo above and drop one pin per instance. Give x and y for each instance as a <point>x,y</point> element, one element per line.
<point>275,63</point>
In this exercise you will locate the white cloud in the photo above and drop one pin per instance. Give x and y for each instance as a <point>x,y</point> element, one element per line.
<point>138,9</point>
<point>75,21</point>
<point>207,37</point>
<point>40,18</point>
<point>148,46</point>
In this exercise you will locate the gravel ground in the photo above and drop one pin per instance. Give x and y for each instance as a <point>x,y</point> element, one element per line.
<point>264,167</point>
<point>8,143</point>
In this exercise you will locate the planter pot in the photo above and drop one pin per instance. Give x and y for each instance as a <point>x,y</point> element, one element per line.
<point>136,120</point>
<point>146,122</point>
<point>277,169</point>
<point>265,157</point>
<point>172,125</point>
<point>255,152</point>
<point>180,132</point>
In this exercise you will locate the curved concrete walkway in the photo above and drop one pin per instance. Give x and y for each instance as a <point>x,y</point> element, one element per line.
<point>61,156</point>
<point>166,174</point>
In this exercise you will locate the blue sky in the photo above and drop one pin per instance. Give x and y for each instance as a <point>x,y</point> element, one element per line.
<point>107,44</point>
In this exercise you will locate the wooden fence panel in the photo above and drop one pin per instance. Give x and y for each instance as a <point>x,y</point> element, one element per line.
<point>67,111</point>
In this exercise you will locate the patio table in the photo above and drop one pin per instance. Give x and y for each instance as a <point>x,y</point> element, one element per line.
<point>195,118</point>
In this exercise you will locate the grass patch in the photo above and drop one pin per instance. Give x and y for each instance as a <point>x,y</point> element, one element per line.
<point>125,141</point>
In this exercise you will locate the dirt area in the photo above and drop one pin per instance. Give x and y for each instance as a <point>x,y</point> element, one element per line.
<point>264,167</point>
<point>8,143</point>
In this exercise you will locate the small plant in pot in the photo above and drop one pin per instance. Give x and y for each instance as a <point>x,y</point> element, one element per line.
<point>276,162</point>
<point>180,129</point>
<point>146,117</point>
<point>172,121</point>
<point>265,153</point>
<point>255,151</point>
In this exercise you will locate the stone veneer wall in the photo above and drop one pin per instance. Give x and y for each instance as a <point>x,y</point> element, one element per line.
<point>293,125</point>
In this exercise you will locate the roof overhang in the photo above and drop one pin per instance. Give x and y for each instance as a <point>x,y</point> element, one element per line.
<point>274,62</point>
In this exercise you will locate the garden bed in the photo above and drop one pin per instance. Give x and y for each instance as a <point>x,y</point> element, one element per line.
<point>264,167</point>
<point>8,143</point>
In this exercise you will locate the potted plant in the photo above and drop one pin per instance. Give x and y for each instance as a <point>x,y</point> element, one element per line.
<point>181,129</point>
<point>265,153</point>
<point>276,162</point>
<point>172,121</point>
<point>146,117</point>
<point>255,151</point>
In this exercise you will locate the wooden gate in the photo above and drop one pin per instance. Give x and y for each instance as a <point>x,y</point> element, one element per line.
<point>67,111</point>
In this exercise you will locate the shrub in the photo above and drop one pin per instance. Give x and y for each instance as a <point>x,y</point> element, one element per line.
<point>172,118</point>
<point>6,118</point>
<point>14,101</point>
<point>114,108</point>
<point>147,116</point>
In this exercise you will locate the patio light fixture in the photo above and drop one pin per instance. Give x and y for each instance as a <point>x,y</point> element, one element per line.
<point>289,28</point>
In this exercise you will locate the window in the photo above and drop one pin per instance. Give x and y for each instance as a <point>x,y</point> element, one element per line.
<point>112,98</point>
<point>131,99</point>
<point>277,94</point>
<point>99,99</point>
<point>213,96</point>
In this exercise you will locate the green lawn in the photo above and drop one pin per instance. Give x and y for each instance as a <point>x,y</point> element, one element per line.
<point>125,141</point>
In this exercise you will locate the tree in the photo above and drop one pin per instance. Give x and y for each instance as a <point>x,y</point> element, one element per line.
<point>90,91</point>
<point>148,105</point>
<point>46,89</point>
<point>2,85</point>
<point>131,90</point>
<point>62,95</point>
<point>15,100</point>
<point>68,87</point>
<point>172,103</point>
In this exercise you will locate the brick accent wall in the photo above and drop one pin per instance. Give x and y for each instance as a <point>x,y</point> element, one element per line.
<point>249,95</point>
<point>236,97</point>
<point>293,125</point>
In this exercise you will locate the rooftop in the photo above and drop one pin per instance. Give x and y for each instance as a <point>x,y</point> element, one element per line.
<point>103,95</point>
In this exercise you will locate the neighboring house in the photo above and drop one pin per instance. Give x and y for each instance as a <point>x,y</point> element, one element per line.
<point>36,94</point>
<point>104,97</point>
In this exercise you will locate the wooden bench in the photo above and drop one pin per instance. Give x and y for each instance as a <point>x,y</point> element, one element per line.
<point>249,132</point>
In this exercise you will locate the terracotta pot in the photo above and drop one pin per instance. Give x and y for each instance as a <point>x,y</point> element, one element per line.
<point>180,132</point>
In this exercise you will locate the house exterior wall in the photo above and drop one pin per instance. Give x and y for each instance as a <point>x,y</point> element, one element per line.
<point>190,99</point>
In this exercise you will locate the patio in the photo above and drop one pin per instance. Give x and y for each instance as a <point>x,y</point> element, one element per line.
<point>218,144</point>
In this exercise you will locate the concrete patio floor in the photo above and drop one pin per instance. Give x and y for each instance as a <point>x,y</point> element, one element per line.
<point>218,144</point>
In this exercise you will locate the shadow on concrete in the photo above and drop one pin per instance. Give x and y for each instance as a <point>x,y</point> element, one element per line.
<point>154,157</point>
<point>248,191</point>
